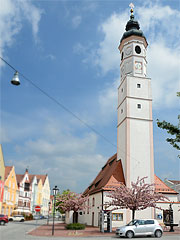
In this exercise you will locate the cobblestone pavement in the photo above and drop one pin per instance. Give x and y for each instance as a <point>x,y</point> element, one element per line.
<point>30,230</point>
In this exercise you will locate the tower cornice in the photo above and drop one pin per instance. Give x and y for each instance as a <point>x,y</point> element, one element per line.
<point>133,38</point>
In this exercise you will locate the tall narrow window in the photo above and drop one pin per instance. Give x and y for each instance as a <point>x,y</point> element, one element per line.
<point>138,85</point>
<point>88,207</point>
<point>93,202</point>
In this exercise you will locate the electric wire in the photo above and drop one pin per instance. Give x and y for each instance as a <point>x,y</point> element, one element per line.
<point>60,104</point>
<point>65,108</point>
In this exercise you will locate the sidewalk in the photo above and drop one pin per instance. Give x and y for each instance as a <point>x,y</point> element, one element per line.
<point>60,231</point>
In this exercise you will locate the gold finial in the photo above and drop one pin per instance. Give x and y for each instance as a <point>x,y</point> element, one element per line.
<point>131,5</point>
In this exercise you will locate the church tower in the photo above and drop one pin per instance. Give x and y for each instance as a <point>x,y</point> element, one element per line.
<point>135,126</point>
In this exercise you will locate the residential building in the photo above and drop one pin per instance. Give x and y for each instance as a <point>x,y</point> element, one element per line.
<point>2,174</point>
<point>44,193</point>
<point>24,201</point>
<point>34,192</point>
<point>11,193</point>
<point>39,191</point>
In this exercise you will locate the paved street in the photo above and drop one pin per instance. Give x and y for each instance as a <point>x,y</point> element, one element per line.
<point>19,231</point>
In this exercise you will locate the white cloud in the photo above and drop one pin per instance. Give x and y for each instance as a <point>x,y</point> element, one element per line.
<point>108,100</point>
<point>56,149</point>
<point>160,25</point>
<point>76,21</point>
<point>107,55</point>
<point>12,16</point>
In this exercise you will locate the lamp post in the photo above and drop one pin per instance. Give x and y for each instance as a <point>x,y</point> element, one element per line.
<point>49,204</point>
<point>55,191</point>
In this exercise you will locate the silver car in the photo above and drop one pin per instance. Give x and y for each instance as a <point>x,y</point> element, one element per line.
<point>141,227</point>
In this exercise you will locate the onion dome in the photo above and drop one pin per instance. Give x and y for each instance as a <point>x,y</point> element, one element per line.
<point>132,28</point>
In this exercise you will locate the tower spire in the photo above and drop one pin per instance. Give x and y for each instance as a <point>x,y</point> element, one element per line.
<point>131,5</point>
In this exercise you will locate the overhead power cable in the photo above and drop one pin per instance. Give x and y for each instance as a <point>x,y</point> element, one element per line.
<point>59,104</point>
<point>64,107</point>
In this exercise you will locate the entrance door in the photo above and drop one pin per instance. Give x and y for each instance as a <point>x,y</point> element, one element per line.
<point>75,217</point>
<point>92,218</point>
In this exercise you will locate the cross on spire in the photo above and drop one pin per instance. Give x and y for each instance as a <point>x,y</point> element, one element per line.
<point>131,5</point>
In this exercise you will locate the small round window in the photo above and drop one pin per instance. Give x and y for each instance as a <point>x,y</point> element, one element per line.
<point>138,49</point>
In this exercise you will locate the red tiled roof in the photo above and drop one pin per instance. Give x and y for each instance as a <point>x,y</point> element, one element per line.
<point>7,171</point>
<point>161,187</point>
<point>42,177</point>
<point>31,177</point>
<point>19,177</point>
<point>110,175</point>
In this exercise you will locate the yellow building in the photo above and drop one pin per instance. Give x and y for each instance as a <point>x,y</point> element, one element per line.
<point>2,173</point>
<point>39,191</point>
<point>11,192</point>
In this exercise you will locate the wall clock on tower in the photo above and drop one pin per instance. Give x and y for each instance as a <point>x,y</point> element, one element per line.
<point>138,67</point>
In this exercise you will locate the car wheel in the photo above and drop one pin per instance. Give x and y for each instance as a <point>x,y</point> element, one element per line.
<point>158,233</point>
<point>22,220</point>
<point>2,222</point>
<point>129,234</point>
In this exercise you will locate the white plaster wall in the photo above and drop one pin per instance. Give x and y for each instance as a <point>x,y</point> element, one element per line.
<point>135,112</point>
<point>87,218</point>
<point>140,161</point>
<point>45,197</point>
<point>175,207</point>
<point>121,144</point>
<point>145,92</point>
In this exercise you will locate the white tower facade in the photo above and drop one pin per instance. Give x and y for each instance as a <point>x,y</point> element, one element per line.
<point>135,126</point>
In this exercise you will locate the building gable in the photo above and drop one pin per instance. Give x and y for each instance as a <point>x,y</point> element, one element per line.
<point>110,176</point>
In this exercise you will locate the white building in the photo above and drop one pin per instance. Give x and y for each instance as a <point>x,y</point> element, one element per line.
<point>134,156</point>
<point>34,192</point>
<point>24,201</point>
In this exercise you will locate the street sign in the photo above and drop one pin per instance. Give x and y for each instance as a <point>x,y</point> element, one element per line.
<point>37,208</point>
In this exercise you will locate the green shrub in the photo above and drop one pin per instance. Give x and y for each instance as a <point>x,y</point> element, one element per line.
<point>75,226</point>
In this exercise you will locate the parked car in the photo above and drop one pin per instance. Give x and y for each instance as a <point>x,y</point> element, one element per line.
<point>17,218</point>
<point>3,219</point>
<point>38,217</point>
<point>141,227</point>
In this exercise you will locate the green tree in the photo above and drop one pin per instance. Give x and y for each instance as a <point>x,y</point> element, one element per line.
<point>172,130</point>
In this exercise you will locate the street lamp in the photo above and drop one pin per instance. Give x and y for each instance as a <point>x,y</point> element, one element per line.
<point>15,79</point>
<point>49,204</point>
<point>55,191</point>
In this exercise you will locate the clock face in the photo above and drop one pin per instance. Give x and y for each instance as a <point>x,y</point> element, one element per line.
<point>138,67</point>
<point>128,51</point>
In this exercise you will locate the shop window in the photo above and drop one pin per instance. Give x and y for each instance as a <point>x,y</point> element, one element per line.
<point>117,216</point>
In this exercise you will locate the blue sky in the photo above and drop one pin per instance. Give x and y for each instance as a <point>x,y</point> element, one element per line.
<point>70,50</point>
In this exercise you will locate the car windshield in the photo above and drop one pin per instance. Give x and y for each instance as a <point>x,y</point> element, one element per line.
<point>133,222</point>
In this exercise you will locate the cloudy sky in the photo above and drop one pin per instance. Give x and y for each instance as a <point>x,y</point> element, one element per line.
<point>69,49</point>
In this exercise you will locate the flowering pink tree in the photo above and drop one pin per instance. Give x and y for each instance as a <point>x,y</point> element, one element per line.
<point>70,201</point>
<point>140,196</point>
